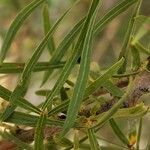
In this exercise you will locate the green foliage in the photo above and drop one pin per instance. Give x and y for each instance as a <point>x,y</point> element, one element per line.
<point>89,100</point>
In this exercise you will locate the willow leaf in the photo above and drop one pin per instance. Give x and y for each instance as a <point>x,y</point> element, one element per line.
<point>92,139</point>
<point>118,132</point>
<point>104,77</point>
<point>39,135</point>
<point>133,112</point>
<point>5,94</point>
<point>128,35</point>
<point>142,30</point>
<point>76,140</point>
<point>101,23</point>
<point>62,48</point>
<point>92,87</point>
<point>136,61</point>
<point>116,106</point>
<point>141,48</point>
<point>11,107</point>
<point>16,24</point>
<point>114,12</point>
<point>82,78</point>
<point>113,89</point>
<point>20,118</point>
<point>32,62</point>
<point>29,68</point>
<point>7,112</point>
<point>47,26</point>
<point>6,68</point>
<point>139,133</point>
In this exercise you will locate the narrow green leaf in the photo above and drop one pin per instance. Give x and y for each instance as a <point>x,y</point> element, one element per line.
<point>114,12</point>
<point>104,77</point>
<point>141,48</point>
<point>47,26</point>
<point>139,134</point>
<point>16,24</point>
<point>136,61</point>
<point>66,71</point>
<point>116,106</point>
<point>76,140</point>
<point>64,142</point>
<point>11,107</point>
<point>63,106</point>
<point>8,136</point>
<point>20,118</point>
<point>114,90</point>
<point>82,78</point>
<point>62,48</point>
<point>39,135</point>
<point>92,87</point>
<point>93,141</point>
<point>118,132</point>
<point>116,116</point>
<point>5,94</point>
<point>32,62</point>
<point>128,74</point>
<point>7,112</point>
<point>142,30</point>
<point>133,112</point>
<point>128,35</point>
<point>68,40</point>
<point>6,68</point>
<point>29,68</point>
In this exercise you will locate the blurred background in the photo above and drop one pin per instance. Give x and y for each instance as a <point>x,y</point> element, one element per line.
<point>106,46</point>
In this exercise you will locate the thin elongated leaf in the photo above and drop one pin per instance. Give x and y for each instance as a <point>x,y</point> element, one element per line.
<point>133,112</point>
<point>81,82</point>
<point>114,90</point>
<point>7,112</point>
<point>64,142</point>
<point>118,132</point>
<point>16,24</point>
<point>104,77</point>
<point>132,115</point>
<point>11,107</point>
<point>47,26</point>
<point>93,141</point>
<point>116,106</point>
<point>18,67</point>
<point>5,94</point>
<point>139,134</point>
<point>141,48</point>
<point>92,87</point>
<point>128,35</point>
<point>136,61</point>
<point>8,136</point>
<point>65,72</point>
<point>20,88</point>
<point>39,136</point>
<point>76,140</point>
<point>142,30</point>
<point>32,62</point>
<point>20,118</point>
<point>64,75</point>
<point>68,40</point>
<point>62,48</point>
<point>114,12</point>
